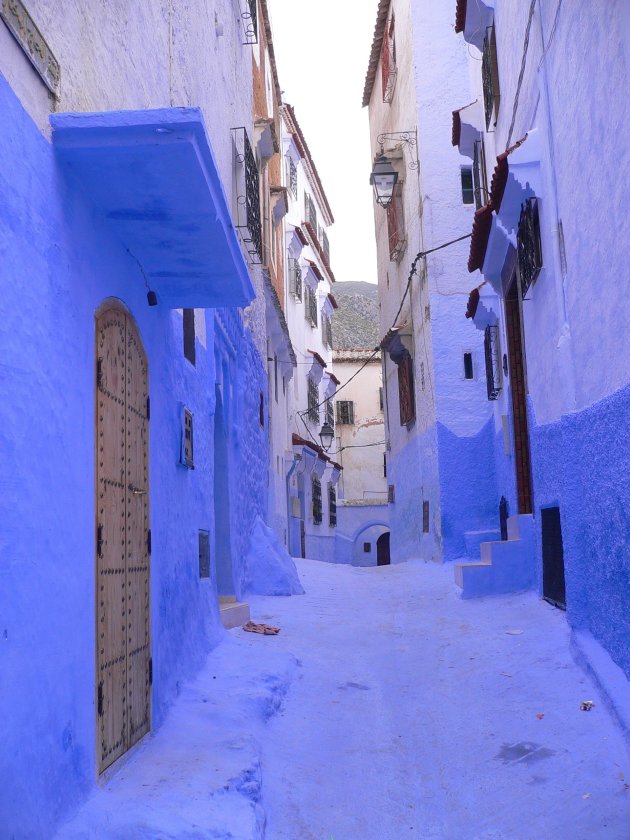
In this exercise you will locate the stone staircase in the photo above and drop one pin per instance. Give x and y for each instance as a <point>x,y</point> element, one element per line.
<point>505,566</point>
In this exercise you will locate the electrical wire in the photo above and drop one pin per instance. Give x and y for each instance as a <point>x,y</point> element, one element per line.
<point>522,71</point>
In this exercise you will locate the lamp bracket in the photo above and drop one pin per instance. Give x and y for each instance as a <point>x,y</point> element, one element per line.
<point>410,138</point>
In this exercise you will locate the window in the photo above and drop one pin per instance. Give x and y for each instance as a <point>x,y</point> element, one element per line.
<point>275,376</point>
<point>422,383</point>
<point>310,306</point>
<point>261,409</point>
<point>204,554</point>
<point>384,465</point>
<point>391,494</point>
<point>326,248</point>
<point>468,366</point>
<point>380,398</point>
<point>292,177</point>
<point>528,244</point>
<point>468,192</point>
<point>327,331</point>
<point>330,413</point>
<point>189,335</point>
<point>186,456</point>
<point>295,278</point>
<point>425,517</point>
<point>480,178</point>
<point>493,361</point>
<point>388,61</point>
<point>345,412</point>
<point>367,547</point>
<point>249,221</point>
<point>405,389</point>
<point>313,400</point>
<point>332,505</point>
<point>490,77</point>
<point>316,494</point>
<point>396,225</point>
<point>310,214</point>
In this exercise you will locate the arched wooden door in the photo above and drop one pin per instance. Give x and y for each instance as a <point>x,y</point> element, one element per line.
<point>382,550</point>
<point>122,537</point>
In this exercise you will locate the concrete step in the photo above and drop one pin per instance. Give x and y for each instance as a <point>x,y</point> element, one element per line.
<point>504,566</point>
<point>233,614</point>
<point>473,540</point>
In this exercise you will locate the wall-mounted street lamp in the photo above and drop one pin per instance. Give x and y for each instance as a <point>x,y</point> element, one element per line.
<point>383,176</point>
<point>326,435</point>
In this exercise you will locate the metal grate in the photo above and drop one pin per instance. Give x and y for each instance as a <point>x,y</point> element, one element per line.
<point>490,76</point>
<point>248,219</point>
<point>316,493</point>
<point>528,244</point>
<point>391,494</point>
<point>330,413</point>
<point>187,455</point>
<point>312,308</point>
<point>389,71</point>
<point>345,412</point>
<point>405,389</point>
<point>310,213</point>
<point>313,400</point>
<point>493,361</point>
<point>292,177</point>
<point>295,278</point>
<point>326,248</point>
<point>332,506</point>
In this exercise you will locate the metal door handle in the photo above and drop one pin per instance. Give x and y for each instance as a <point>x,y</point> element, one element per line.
<point>136,491</point>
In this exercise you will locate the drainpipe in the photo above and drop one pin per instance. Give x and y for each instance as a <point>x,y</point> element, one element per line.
<point>296,460</point>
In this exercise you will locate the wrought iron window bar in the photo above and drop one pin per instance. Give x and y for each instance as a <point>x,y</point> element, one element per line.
<point>493,361</point>
<point>312,308</point>
<point>295,278</point>
<point>326,248</point>
<point>528,244</point>
<point>292,178</point>
<point>480,178</point>
<point>345,412</point>
<point>310,213</point>
<point>389,71</point>
<point>330,413</point>
<point>249,19</point>
<point>490,76</point>
<point>313,401</point>
<point>316,493</point>
<point>248,220</point>
<point>332,506</point>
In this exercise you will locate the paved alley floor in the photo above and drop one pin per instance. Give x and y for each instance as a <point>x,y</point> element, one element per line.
<point>387,708</point>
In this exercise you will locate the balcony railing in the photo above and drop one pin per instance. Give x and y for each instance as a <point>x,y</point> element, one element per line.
<point>490,76</point>
<point>528,244</point>
<point>493,361</point>
<point>295,278</point>
<point>248,221</point>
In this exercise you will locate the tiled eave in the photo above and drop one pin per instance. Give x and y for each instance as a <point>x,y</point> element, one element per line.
<point>482,223</point>
<point>375,52</point>
<point>500,175</point>
<point>313,241</point>
<point>471,19</point>
<point>151,176</point>
<point>318,358</point>
<point>457,128</point>
<point>460,19</point>
<point>473,303</point>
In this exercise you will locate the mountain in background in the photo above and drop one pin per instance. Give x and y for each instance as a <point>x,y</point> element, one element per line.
<point>356,321</point>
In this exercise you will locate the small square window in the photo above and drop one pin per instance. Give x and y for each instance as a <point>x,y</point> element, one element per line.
<point>468,192</point>
<point>367,547</point>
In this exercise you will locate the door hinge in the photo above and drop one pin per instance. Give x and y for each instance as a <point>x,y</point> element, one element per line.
<point>99,540</point>
<point>99,372</point>
<point>100,699</point>
<point>148,408</point>
<point>149,541</point>
<point>151,671</point>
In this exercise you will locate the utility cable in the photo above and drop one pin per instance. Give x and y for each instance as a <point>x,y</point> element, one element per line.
<point>522,72</point>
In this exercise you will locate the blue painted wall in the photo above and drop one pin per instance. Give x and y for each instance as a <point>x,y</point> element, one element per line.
<point>58,263</point>
<point>582,463</point>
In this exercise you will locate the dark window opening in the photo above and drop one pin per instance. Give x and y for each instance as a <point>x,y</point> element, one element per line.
<point>406,397</point>
<point>204,554</point>
<point>468,192</point>
<point>380,398</point>
<point>189,335</point>
<point>425,517</point>
<point>332,505</point>
<point>316,492</point>
<point>390,494</point>
<point>367,547</point>
<point>275,376</point>
<point>468,366</point>
<point>261,409</point>
<point>384,465</point>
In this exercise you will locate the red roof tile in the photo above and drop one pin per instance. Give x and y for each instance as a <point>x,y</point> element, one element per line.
<point>480,235</point>
<point>296,440</point>
<point>460,16</point>
<point>318,358</point>
<point>315,267</point>
<point>334,378</point>
<point>457,128</point>
<point>500,176</point>
<point>473,303</point>
<point>301,235</point>
<point>375,53</point>
<point>333,302</point>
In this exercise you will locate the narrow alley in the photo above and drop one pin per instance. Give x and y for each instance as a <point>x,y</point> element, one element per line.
<point>386,708</point>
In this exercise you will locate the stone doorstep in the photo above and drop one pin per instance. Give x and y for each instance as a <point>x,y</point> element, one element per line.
<point>233,614</point>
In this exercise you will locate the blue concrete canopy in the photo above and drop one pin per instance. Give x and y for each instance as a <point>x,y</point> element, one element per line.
<point>153,176</point>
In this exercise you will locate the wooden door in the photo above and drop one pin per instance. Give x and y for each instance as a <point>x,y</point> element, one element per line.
<point>519,399</point>
<point>123,537</point>
<point>382,550</point>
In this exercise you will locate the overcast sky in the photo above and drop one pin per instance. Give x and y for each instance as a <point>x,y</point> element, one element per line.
<point>322,51</point>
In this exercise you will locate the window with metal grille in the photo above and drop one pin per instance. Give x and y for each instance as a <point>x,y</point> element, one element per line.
<point>389,71</point>
<point>292,177</point>
<point>468,366</point>
<point>405,390</point>
<point>528,244</point>
<point>490,76</point>
<point>204,554</point>
<point>396,224</point>
<point>391,494</point>
<point>326,248</point>
<point>425,517</point>
<point>189,335</point>
<point>313,400</point>
<point>480,178</point>
<point>332,505</point>
<point>468,192</point>
<point>310,213</point>
<point>248,222</point>
<point>327,330</point>
<point>312,307</point>
<point>186,457</point>
<point>345,412</point>
<point>295,278</point>
<point>316,497</point>
<point>493,360</point>
<point>330,413</point>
